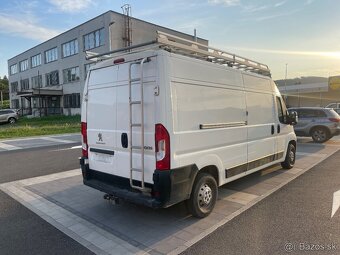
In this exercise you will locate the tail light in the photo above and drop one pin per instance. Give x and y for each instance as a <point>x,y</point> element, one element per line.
<point>162,140</point>
<point>334,119</point>
<point>84,142</point>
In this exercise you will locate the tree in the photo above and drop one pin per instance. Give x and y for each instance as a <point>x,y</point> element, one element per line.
<point>4,90</point>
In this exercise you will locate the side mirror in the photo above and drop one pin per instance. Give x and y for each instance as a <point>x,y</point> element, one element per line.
<point>292,118</point>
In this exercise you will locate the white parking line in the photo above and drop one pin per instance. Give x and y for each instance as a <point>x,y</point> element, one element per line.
<point>319,155</point>
<point>238,196</point>
<point>56,140</point>
<point>9,147</point>
<point>72,148</point>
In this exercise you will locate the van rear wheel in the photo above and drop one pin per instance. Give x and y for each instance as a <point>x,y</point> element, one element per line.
<point>203,195</point>
<point>290,157</point>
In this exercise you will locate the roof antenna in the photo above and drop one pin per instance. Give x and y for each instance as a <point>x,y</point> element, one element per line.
<point>127,38</point>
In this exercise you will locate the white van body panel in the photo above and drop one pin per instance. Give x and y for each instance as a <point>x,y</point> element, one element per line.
<point>216,116</point>
<point>108,115</point>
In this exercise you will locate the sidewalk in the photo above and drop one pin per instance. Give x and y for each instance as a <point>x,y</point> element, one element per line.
<point>38,141</point>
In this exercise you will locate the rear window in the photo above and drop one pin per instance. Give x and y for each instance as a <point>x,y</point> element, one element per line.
<point>311,113</point>
<point>334,113</point>
<point>5,112</point>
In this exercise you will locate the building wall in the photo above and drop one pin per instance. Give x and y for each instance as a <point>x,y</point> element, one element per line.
<point>114,32</point>
<point>309,94</point>
<point>321,99</point>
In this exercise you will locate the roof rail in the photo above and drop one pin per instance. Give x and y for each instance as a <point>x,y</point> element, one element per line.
<point>196,50</point>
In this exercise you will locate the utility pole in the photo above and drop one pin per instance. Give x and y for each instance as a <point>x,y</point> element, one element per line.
<point>39,95</point>
<point>286,82</point>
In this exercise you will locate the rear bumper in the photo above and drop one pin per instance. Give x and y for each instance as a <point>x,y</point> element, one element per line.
<point>169,186</point>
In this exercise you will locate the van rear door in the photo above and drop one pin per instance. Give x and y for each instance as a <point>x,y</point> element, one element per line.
<point>108,119</point>
<point>102,119</point>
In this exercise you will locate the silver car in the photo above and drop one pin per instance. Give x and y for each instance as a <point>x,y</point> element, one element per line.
<point>319,123</point>
<point>8,115</point>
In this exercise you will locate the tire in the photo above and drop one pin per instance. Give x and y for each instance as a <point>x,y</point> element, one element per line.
<point>203,196</point>
<point>320,135</point>
<point>12,120</point>
<point>290,157</point>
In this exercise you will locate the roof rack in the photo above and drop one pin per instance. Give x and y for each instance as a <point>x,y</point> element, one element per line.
<point>196,50</point>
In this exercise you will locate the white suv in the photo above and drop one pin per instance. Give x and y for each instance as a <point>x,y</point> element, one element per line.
<point>8,115</point>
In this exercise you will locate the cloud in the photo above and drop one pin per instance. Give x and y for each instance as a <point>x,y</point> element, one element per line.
<point>26,27</point>
<point>308,2</point>
<point>280,4</point>
<point>71,6</point>
<point>274,16</point>
<point>224,2</point>
<point>251,9</point>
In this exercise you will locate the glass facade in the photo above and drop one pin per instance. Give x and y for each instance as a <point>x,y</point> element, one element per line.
<point>71,74</point>
<point>94,39</point>
<point>14,69</point>
<point>70,48</point>
<point>52,78</point>
<point>36,60</point>
<point>51,55</point>
<point>24,65</point>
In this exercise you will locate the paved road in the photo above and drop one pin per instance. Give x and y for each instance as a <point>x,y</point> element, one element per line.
<point>258,232</point>
<point>38,142</point>
<point>22,231</point>
<point>294,217</point>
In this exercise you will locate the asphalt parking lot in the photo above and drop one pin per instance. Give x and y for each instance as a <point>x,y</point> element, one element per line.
<point>81,212</point>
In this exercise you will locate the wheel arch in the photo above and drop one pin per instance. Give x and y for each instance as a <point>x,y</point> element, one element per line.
<point>319,126</point>
<point>213,165</point>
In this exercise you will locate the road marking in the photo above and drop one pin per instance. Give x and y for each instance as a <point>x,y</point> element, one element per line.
<point>91,236</point>
<point>320,155</point>
<point>72,148</point>
<point>336,202</point>
<point>56,140</point>
<point>9,147</point>
<point>237,196</point>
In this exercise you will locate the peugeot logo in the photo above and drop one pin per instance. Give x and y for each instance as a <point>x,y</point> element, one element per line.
<point>100,137</point>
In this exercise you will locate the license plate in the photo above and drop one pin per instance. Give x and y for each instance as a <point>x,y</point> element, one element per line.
<point>108,159</point>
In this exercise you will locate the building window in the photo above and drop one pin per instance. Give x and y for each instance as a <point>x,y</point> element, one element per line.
<point>72,101</point>
<point>24,84</point>
<point>36,60</point>
<point>94,39</point>
<point>87,68</point>
<point>14,69</point>
<point>14,87</point>
<point>15,104</point>
<point>51,55</point>
<point>37,81</point>
<point>70,48</point>
<point>24,65</point>
<point>52,78</point>
<point>71,74</point>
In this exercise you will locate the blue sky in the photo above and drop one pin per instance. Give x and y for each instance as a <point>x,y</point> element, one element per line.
<point>304,34</point>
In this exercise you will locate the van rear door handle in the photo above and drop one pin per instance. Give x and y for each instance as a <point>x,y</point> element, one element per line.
<point>278,128</point>
<point>124,140</point>
<point>273,129</point>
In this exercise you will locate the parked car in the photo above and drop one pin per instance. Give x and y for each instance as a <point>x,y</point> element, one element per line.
<point>335,106</point>
<point>179,127</point>
<point>8,115</point>
<point>319,123</point>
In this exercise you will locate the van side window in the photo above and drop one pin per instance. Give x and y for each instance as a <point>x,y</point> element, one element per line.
<point>281,110</point>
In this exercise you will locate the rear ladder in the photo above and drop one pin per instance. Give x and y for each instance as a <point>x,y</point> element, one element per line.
<point>134,126</point>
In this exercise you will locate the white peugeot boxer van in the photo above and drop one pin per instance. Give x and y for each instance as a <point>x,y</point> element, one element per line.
<point>175,121</point>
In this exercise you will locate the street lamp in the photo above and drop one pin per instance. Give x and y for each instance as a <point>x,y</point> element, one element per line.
<point>286,83</point>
